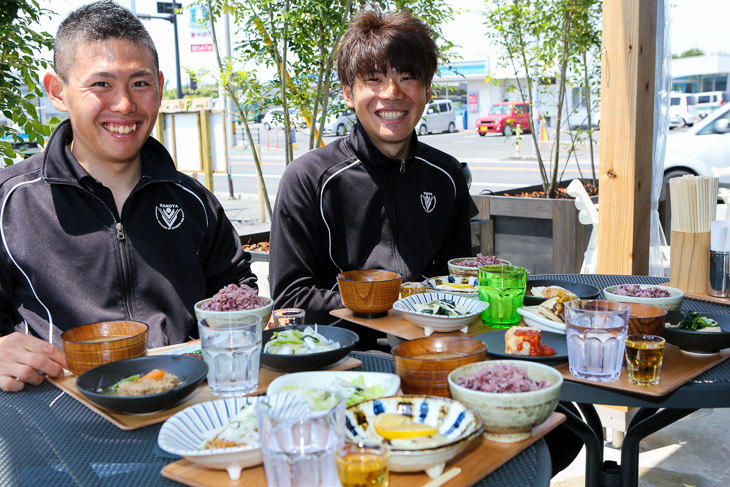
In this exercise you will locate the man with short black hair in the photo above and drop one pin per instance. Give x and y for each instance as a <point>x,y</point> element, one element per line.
<point>101,226</point>
<point>379,198</point>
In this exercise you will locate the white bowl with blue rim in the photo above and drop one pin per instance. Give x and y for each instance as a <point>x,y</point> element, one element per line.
<point>467,286</point>
<point>457,423</point>
<point>439,323</point>
<point>183,433</point>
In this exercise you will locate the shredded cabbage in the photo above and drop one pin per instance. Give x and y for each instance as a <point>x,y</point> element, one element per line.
<point>241,429</point>
<point>353,392</point>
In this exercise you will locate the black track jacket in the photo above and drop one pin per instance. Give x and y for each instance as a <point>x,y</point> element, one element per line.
<point>347,206</point>
<point>67,258</point>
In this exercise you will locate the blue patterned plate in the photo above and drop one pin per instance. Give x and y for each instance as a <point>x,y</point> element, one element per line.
<point>430,322</point>
<point>457,423</point>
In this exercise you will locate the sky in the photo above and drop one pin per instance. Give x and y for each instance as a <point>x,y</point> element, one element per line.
<point>701,24</point>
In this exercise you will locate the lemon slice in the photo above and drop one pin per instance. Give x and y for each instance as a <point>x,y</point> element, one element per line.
<point>393,426</point>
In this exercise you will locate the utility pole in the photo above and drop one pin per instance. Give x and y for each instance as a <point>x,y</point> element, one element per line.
<point>169,9</point>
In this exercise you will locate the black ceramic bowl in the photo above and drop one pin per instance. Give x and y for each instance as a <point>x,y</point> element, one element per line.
<point>190,372</point>
<point>583,291</point>
<point>311,361</point>
<point>698,341</point>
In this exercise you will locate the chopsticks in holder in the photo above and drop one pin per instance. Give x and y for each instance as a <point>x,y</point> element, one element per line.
<point>693,203</point>
<point>443,478</point>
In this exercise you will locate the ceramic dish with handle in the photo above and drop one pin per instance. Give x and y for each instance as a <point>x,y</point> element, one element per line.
<point>430,323</point>
<point>583,291</point>
<point>467,286</point>
<point>184,433</point>
<point>702,342</point>
<point>532,318</point>
<point>457,423</point>
<point>310,361</point>
<point>95,383</point>
<point>670,303</point>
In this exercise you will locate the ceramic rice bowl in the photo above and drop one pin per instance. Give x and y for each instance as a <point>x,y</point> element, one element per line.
<point>509,417</point>
<point>430,322</point>
<point>674,301</point>
<point>456,269</point>
<point>182,434</point>
<point>226,316</point>
<point>455,421</point>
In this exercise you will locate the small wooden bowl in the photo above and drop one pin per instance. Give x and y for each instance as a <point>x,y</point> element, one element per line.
<point>92,345</point>
<point>424,364</point>
<point>646,319</point>
<point>369,293</point>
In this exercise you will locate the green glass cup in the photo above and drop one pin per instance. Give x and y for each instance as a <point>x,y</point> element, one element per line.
<point>503,287</point>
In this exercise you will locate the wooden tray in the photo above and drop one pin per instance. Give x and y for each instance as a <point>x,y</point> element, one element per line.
<point>397,324</point>
<point>677,368</point>
<point>127,421</point>
<point>707,298</point>
<point>479,460</point>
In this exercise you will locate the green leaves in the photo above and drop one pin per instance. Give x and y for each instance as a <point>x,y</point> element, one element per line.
<point>20,50</point>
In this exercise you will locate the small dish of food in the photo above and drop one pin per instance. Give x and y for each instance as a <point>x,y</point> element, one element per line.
<point>540,290</point>
<point>698,332</point>
<point>224,434</point>
<point>423,432</point>
<point>532,317</point>
<point>306,347</point>
<point>440,312</point>
<point>320,388</point>
<point>467,286</point>
<point>666,297</point>
<point>142,384</point>
<point>469,266</point>
<point>526,343</point>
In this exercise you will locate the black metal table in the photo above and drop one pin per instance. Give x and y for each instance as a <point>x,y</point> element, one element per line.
<point>709,390</point>
<point>47,438</point>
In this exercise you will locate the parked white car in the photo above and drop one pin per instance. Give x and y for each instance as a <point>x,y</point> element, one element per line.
<point>698,149</point>
<point>341,124</point>
<point>438,116</point>
<point>275,118</point>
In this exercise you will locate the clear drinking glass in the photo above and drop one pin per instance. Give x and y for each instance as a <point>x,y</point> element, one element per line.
<point>503,287</point>
<point>644,355</point>
<point>231,348</point>
<point>596,332</point>
<point>289,316</point>
<point>301,452</point>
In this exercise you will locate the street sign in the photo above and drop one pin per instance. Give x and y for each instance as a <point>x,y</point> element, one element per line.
<point>167,7</point>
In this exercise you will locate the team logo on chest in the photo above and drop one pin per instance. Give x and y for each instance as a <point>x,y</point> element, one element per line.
<point>428,201</point>
<point>169,215</point>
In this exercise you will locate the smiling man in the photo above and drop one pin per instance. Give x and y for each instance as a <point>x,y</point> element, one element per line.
<point>101,226</point>
<point>379,198</point>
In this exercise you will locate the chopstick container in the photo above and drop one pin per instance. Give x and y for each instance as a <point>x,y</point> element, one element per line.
<point>689,261</point>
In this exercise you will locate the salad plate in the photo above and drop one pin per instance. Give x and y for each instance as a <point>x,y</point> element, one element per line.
<point>186,432</point>
<point>297,357</point>
<point>532,318</point>
<point>694,341</point>
<point>353,386</point>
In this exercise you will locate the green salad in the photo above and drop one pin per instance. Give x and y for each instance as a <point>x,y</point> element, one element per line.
<point>353,392</point>
<point>696,322</point>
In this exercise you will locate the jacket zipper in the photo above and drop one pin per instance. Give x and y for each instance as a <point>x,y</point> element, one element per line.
<point>393,195</point>
<point>125,267</point>
<point>402,166</point>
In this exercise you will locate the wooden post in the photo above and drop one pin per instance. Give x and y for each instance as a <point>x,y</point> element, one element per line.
<point>206,148</point>
<point>627,120</point>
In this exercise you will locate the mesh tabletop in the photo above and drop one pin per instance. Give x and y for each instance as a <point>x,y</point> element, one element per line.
<point>47,438</point>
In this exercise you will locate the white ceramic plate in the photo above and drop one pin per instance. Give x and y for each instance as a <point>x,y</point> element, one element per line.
<point>531,318</point>
<point>324,380</point>
<point>182,434</point>
<point>467,286</point>
<point>431,323</point>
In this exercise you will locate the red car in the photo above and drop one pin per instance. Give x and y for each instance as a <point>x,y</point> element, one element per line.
<point>505,117</point>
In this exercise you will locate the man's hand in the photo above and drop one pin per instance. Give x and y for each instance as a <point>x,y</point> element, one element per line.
<point>25,359</point>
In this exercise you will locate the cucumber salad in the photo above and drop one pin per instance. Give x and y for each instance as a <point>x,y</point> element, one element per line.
<point>295,342</point>
<point>353,392</point>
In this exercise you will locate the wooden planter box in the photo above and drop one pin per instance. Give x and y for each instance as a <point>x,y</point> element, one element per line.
<point>543,235</point>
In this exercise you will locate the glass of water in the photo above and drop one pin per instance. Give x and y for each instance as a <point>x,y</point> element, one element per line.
<point>301,452</point>
<point>289,316</point>
<point>596,332</point>
<point>231,348</point>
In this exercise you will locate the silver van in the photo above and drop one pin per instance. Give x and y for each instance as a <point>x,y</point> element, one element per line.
<point>438,116</point>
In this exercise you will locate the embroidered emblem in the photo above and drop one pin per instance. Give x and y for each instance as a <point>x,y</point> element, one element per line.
<point>428,201</point>
<point>169,215</point>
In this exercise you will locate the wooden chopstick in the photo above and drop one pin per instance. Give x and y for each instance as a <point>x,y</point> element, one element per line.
<point>443,478</point>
